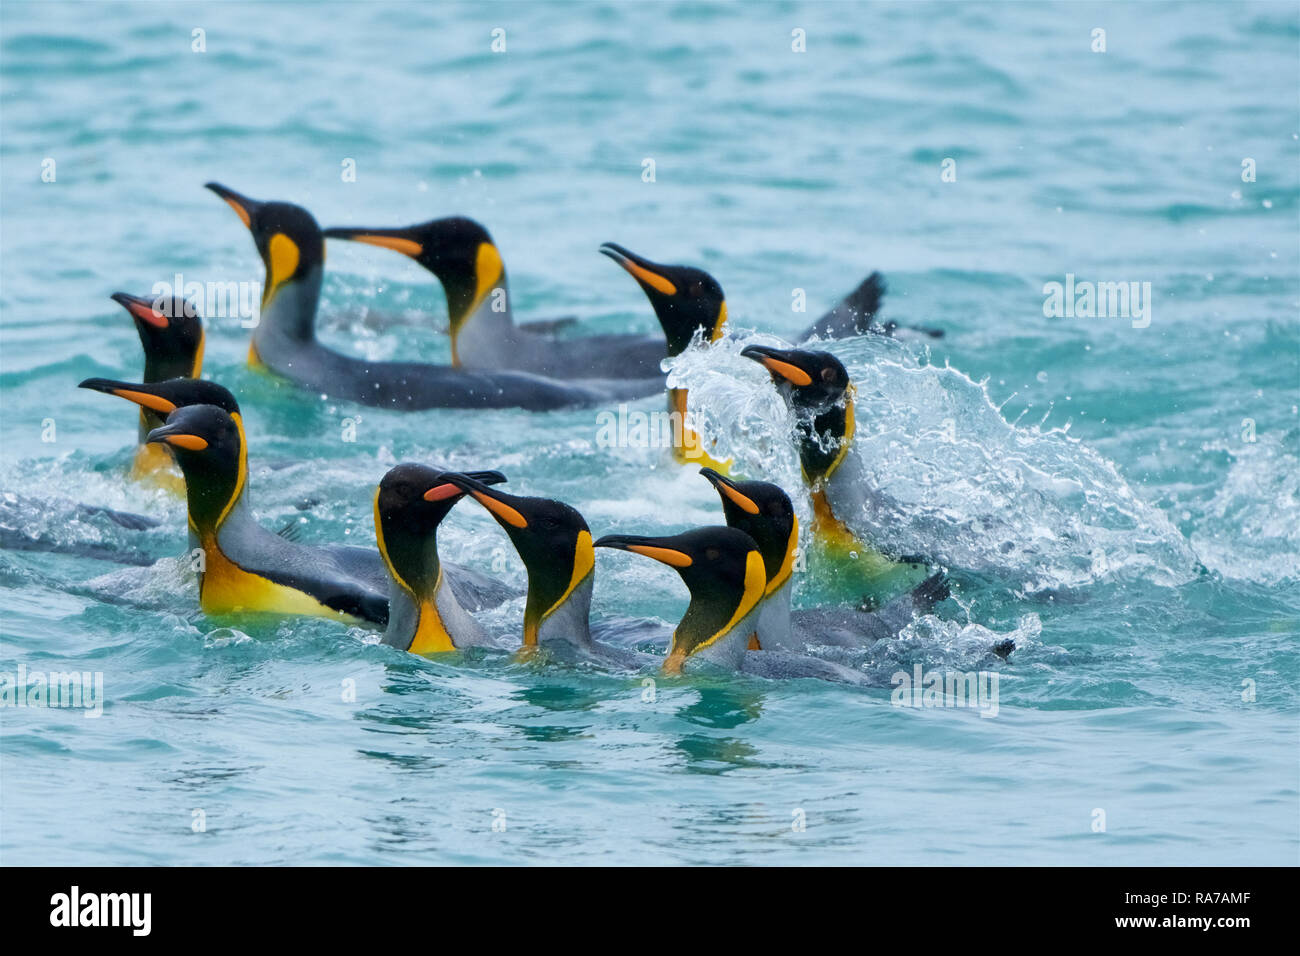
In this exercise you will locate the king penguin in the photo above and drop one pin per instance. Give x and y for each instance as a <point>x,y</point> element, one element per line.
<point>724,573</point>
<point>284,341</point>
<point>484,335</point>
<point>689,301</point>
<point>554,543</point>
<point>217,474</point>
<point>764,512</point>
<point>816,387</point>
<point>171,334</point>
<point>424,616</point>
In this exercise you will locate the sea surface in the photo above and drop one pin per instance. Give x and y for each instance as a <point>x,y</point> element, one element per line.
<point>1119,499</point>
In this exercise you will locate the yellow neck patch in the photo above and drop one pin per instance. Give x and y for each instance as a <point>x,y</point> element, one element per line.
<point>687,442</point>
<point>489,271</point>
<point>242,479</point>
<point>198,356</point>
<point>282,256</point>
<point>431,635</point>
<point>719,323</point>
<point>850,425</point>
<point>755,581</point>
<point>584,562</point>
<point>787,567</point>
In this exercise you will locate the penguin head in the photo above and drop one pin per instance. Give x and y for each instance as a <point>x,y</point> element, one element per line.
<point>684,298</point>
<point>763,511</point>
<point>157,400</point>
<point>209,446</point>
<point>723,570</point>
<point>410,503</point>
<point>813,380</point>
<point>171,334</point>
<point>817,385</point>
<point>552,540</point>
<point>459,251</point>
<point>287,238</point>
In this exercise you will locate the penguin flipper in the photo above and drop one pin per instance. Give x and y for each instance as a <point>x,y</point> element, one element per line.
<point>783,665</point>
<point>930,592</point>
<point>854,313</point>
<point>126,519</point>
<point>11,540</point>
<point>292,531</point>
<point>477,591</point>
<point>548,326</point>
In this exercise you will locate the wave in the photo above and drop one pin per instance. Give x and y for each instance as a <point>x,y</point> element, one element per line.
<point>946,475</point>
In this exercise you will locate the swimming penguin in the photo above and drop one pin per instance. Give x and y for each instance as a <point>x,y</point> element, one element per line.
<point>764,512</point>
<point>686,301</point>
<point>816,386</point>
<point>171,334</point>
<point>244,567</point>
<point>724,572</point>
<point>424,616</point>
<point>284,341</point>
<point>484,335</point>
<point>554,543</point>
<point>241,544</point>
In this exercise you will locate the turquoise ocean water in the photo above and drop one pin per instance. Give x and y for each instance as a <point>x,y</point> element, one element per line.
<point>1121,501</point>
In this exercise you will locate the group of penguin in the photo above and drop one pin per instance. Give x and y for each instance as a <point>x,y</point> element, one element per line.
<point>739,575</point>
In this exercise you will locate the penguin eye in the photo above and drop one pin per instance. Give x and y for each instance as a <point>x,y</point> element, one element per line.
<point>712,554</point>
<point>828,374</point>
<point>697,289</point>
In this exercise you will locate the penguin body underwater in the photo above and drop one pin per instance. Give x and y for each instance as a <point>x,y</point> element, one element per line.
<point>171,335</point>
<point>724,572</point>
<point>424,616</point>
<point>246,566</point>
<point>484,335</point>
<point>554,543</point>
<point>764,512</point>
<point>292,249</point>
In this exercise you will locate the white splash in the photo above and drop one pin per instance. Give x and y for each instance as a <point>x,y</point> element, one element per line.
<point>949,477</point>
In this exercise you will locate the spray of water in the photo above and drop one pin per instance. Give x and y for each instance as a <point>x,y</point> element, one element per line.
<point>945,475</point>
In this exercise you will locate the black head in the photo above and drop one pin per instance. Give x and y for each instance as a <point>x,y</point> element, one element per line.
<point>171,334</point>
<point>684,298</point>
<point>721,567</point>
<point>459,251</point>
<point>287,237</point>
<point>552,540</point>
<point>816,385</point>
<point>410,503</point>
<point>813,380</point>
<point>763,511</point>
<point>165,397</point>
<point>208,444</point>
